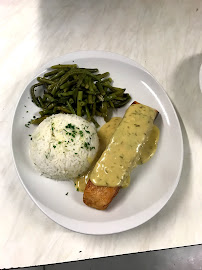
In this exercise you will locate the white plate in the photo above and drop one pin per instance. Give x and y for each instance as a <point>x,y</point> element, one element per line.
<point>152,184</point>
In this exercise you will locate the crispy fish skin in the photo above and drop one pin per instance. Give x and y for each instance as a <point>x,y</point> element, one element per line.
<point>99,197</point>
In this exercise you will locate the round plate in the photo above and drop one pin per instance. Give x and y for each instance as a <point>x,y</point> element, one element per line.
<point>152,184</point>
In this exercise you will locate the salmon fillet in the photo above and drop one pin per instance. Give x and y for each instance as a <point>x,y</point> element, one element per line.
<point>99,197</point>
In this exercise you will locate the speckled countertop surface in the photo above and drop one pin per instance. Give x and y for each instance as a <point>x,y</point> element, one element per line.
<point>163,36</point>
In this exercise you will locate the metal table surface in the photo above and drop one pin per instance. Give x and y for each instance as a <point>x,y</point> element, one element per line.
<point>184,258</point>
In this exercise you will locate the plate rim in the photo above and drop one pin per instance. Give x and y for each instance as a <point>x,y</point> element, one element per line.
<point>116,229</point>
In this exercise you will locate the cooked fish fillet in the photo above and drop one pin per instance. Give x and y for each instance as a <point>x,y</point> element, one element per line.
<point>99,197</point>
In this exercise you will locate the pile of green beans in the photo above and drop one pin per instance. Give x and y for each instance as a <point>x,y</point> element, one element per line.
<point>73,90</point>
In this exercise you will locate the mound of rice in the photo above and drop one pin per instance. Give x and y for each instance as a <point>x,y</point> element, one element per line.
<point>63,146</point>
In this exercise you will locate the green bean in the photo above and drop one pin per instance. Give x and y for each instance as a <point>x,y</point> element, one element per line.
<point>94,99</point>
<point>62,109</point>
<point>80,80</point>
<point>92,70</point>
<point>91,86</point>
<point>94,109</point>
<point>33,94</point>
<point>75,93</point>
<point>62,100</point>
<point>58,75</point>
<point>37,121</point>
<point>100,88</point>
<point>79,99</point>
<point>103,75</point>
<point>44,99</point>
<point>51,106</point>
<point>67,84</point>
<point>104,108</point>
<point>71,101</point>
<point>87,113</point>
<point>110,97</point>
<point>114,89</point>
<point>50,87</point>
<point>65,90</point>
<point>95,122</point>
<point>118,89</point>
<point>46,112</point>
<point>90,99</point>
<point>98,113</point>
<point>86,81</point>
<point>55,89</point>
<point>121,104</point>
<point>44,80</point>
<point>90,93</point>
<point>64,66</point>
<point>111,104</point>
<point>70,93</point>
<point>120,98</point>
<point>49,97</point>
<point>40,102</point>
<point>83,103</point>
<point>70,107</point>
<point>107,80</point>
<point>50,73</point>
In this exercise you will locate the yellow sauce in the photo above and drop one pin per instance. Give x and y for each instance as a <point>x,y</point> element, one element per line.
<point>149,146</point>
<point>123,152</point>
<point>133,149</point>
<point>105,133</point>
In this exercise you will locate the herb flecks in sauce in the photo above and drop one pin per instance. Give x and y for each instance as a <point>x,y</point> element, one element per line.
<point>112,169</point>
<point>104,134</point>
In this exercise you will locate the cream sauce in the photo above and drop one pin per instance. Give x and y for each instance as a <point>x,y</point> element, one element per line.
<point>123,152</point>
<point>106,132</point>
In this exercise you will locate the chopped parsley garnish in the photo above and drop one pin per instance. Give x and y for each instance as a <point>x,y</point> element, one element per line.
<point>59,142</point>
<point>70,126</point>
<point>54,146</point>
<point>81,133</point>
<point>86,145</point>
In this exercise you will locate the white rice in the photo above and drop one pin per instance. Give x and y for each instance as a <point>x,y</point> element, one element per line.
<point>63,146</point>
